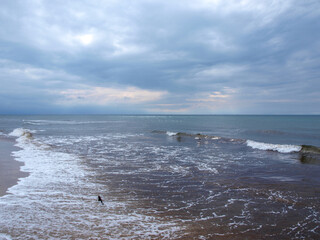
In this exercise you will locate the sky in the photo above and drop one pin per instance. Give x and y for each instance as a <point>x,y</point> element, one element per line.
<point>160,57</point>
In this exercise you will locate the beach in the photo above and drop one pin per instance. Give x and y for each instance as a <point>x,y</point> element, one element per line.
<point>9,168</point>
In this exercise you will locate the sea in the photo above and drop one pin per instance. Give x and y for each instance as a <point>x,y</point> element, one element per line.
<point>163,177</point>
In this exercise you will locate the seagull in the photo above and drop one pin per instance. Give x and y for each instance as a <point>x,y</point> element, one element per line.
<point>100,200</point>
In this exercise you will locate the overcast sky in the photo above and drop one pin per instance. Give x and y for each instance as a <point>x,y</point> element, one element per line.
<point>156,56</point>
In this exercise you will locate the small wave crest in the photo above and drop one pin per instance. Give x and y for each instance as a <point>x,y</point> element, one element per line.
<point>50,122</point>
<point>197,136</point>
<point>171,134</point>
<point>66,122</point>
<point>21,132</point>
<point>282,148</point>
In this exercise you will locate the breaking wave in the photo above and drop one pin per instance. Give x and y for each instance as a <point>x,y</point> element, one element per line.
<point>21,133</point>
<point>282,148</point>
<point>60,192</point>
<point>171,134</point>
<point>196,136</point>
<point>64,122</point>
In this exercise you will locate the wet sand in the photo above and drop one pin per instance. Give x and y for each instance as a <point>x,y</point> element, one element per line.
<point>9,168</point>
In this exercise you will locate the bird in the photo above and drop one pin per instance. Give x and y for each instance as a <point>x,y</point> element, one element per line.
<point>100,200</point>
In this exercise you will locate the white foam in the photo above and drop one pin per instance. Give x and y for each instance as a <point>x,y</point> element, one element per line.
<point>5,237</point>
<point>19,132</point>
<point>59,200</point>
<point>64,122</point>
<point>282,148</point>
<point>215,138</point>
<point>206,167</point>
<point>184,171</point>
<point>171,134</point>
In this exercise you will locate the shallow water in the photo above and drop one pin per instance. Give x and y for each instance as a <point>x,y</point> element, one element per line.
<point>157,184</point>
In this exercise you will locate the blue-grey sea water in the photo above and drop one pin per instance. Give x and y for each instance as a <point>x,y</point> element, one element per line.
<point>163,177</point>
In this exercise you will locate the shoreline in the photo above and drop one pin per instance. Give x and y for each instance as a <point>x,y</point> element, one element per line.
<point>10,172</point>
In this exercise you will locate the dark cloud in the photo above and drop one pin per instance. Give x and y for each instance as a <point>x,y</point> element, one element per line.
<point>206,56</point>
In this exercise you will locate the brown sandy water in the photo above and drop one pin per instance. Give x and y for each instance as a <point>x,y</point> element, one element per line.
<point>213,192</point>
<point>156,186</point>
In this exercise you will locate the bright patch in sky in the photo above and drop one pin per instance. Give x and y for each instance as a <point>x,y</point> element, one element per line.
<point>103,95</point>
<point>85,39</point>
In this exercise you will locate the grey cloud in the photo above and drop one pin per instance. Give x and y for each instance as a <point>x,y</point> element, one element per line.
<point>265,51</point>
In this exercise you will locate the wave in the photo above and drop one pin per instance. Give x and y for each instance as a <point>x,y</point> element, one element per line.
<point>310,149</point>
<point>47,122</point>
<point>197,136</point>
<point>64,122</point>
<point>282,148</point>
<point>60,187</point>
<point>171,134</point>
<point>22,133</point>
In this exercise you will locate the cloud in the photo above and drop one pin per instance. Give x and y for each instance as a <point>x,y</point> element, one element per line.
<point>226,70</point>
<point>105,96</point>
<point>17,77</point>
<point>263,12</point>
<point>161,56</point>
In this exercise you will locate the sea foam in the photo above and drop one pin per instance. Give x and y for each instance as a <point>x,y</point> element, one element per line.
<point>21,133</point>
<point>65,122</point>
<point>18,132</point>
<point>58,199</point>
<point>282,148</point>
<point>171,134</point>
